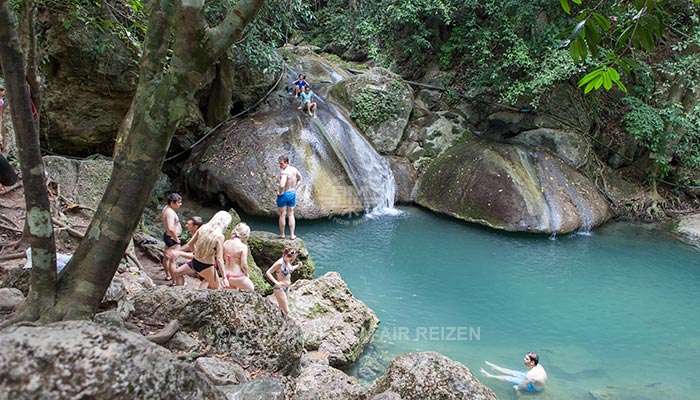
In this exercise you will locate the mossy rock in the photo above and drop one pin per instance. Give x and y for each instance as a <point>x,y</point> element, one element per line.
<point>266,248</point>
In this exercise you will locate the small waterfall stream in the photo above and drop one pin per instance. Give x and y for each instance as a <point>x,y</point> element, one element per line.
<point>370,173</point>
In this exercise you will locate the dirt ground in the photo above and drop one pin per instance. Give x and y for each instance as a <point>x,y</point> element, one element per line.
<point>73,220</point>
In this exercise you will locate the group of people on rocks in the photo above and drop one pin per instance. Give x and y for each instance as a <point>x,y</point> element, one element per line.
<point>307,98</point>
<point>220,262</point>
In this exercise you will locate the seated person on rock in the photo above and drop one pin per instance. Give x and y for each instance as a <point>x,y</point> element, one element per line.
<point>299,85</point>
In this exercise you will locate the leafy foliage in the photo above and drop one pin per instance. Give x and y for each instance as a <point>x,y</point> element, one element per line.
<point>616,30</point>
<point>482,42</point>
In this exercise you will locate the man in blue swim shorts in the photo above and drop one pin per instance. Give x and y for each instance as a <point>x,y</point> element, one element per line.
<point>290,179</point>
<point>531,381</point>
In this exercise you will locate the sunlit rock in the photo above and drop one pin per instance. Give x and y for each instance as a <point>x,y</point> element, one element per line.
<point>331,319</point>
<point>511,188</point>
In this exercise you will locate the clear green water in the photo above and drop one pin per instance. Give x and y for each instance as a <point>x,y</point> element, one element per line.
<point>615,312</point>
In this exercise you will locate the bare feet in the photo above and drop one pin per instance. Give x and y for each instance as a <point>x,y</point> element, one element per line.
<point>485,373</point>
<point>292,238</point>
<point>299,108</point>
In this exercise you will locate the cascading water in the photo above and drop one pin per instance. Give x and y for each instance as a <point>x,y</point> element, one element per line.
<point>370,173</point>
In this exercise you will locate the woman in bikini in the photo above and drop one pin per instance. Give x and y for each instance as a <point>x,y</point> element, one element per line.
<point>282,278</point>
<point>208,247</point>
<point>236,255</point>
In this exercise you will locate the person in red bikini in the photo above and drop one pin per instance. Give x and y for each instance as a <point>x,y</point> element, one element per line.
<point>236,258</point>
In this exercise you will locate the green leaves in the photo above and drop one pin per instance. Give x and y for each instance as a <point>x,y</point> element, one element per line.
<point>601,77</point>
<point>567,7</point>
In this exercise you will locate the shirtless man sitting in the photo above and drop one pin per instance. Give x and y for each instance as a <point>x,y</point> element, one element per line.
<point>184,251</point>
<point>532,381</point>
<point>236,258</point>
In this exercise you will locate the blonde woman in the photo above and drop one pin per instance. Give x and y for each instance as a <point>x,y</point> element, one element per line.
<point>236,256</point>
<point>208,248</point>
<point>282,279</point>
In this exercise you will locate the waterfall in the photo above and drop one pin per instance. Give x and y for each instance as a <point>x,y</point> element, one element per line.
<point>369,172</point>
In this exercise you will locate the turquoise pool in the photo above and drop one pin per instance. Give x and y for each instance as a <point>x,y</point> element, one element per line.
<point>614,312</point>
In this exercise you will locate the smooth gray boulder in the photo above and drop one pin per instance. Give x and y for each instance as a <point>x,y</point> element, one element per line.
<point>430,375</point>
<point>511,188</point>
<point>331,319</point>
<point>82,360</point>
<point>240,162</point>
<point>239,324</point>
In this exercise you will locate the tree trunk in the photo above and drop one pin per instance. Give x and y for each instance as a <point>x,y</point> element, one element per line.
<point>159,104</point>
<point>42,293</point>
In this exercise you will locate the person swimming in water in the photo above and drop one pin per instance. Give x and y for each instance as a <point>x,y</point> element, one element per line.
<point>531,381</point>
<point>236,257</point>
<point>282,278</point>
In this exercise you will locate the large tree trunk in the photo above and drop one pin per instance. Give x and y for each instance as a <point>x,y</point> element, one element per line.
<point>159,104</point>
<point>42,294</point>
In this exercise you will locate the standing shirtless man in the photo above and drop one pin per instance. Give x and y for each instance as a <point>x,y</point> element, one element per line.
<point>172,233</point>
<point>290,179</point>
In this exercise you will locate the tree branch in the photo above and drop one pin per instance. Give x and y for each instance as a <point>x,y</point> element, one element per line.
<point>231,28</point>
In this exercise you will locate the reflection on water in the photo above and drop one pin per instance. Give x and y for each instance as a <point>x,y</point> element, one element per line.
<point>612,314</point>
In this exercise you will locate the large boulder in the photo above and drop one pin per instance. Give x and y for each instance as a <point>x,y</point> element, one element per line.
<point>331,319</point>
<point>429,136</point>
<point>380,103</point>
<point>267,247</point>
<point>511,188</point>
<point>342,172</point>
<point>239,164</point>
<point>239,324</point>
<point>80,359</point>
<point>91,76</point>
<point>429,375</point>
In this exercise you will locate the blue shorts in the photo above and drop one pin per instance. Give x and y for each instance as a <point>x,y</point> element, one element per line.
<point>287,199</point>
<point>520,378</point>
